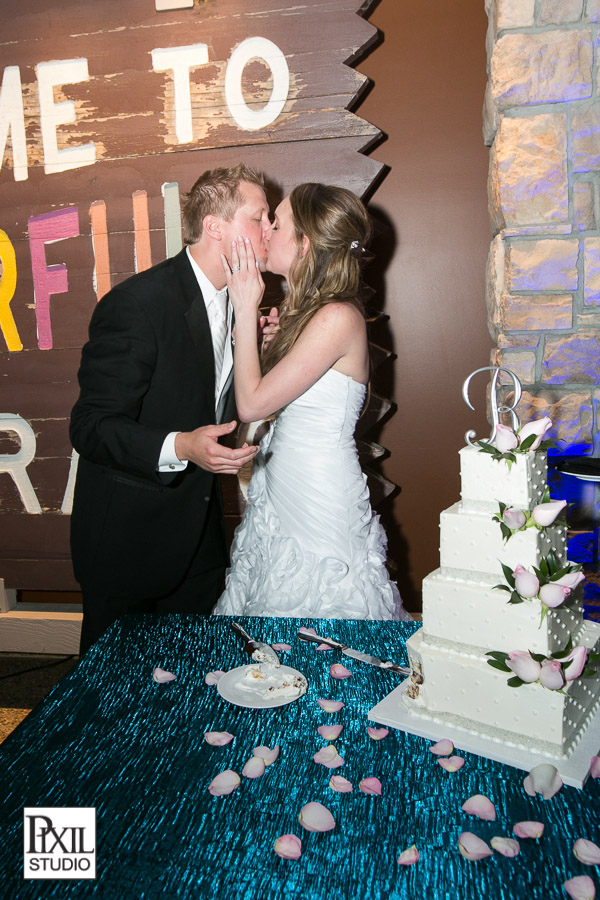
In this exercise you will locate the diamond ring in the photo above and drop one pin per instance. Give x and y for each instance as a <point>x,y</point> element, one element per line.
<point>235,268</point>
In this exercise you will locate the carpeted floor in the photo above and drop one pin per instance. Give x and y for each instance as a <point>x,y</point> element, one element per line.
<point>25,679</point>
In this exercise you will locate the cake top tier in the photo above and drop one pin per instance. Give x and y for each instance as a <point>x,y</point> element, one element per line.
<point>486,480</point>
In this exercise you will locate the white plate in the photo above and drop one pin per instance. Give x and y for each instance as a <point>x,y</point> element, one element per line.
<point>583,477</point>
<point>231,687</point>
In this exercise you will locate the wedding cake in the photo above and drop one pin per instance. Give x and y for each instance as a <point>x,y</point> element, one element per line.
<point>504,652</point>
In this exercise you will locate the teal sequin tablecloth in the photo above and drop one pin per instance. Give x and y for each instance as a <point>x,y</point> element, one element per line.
<point>109,737</point>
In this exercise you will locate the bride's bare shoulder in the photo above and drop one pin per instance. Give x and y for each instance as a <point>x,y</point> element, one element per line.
<point>339,315</point>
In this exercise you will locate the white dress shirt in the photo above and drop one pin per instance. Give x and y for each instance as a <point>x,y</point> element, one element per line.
<point>168,460</point>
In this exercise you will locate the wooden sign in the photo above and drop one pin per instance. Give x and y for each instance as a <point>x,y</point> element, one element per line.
<point>107,112</point>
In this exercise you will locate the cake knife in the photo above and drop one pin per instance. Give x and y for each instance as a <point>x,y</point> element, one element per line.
<point>256,650</point>
<point>354,654</point>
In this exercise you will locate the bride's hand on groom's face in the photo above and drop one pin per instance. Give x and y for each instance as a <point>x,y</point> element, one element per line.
<point>244,280</point>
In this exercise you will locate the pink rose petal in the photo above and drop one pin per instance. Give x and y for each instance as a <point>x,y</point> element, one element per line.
<point>307,630</point>
<point>580,888</point>
<point>267,754</point>
<point>288,846</point>
<point>254,768</point>
<point>218,738</point>
<point>480,806</point>
<point>595,767</point>
<point>330,732</point>
<point>162,677</point>
<point>328,757</point>
<point>340,784</point>
<point>331,706</point>
<point>212,677</point>
<point>370,786</point>
<point>443,747</point>
<point>587,852</point>
<point>505,846</point>
<point>377,734</point>
<point>337,670</point>
<point>528,829</point>
<point>543,779</point>
<point>472,847</point>
<point>224,783</point>
<point>451,765</point>
<point>323,647</point>
<point>409,857</point>
<point>282,648</point>
<point>316,817</point>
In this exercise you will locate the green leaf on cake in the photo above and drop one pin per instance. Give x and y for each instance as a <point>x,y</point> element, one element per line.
<point>515,682</point>
<point>526,444</point>
<point>501,587</point>
<point>539,657</point>
<point>516,598</point>
<point>487,448</point>
<point>498,665</point>
<point>560,654</point>
<point>508,574</point>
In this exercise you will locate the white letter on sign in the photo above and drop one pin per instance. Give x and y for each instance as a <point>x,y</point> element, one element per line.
<point>180,60</point>
<point>51,75</point>
<point>16,463</point>
<point>268,52</point>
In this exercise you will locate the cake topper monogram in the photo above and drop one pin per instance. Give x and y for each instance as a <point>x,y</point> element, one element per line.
<point>496,408</point>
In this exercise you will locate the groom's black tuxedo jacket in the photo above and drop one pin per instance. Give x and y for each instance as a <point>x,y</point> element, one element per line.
<point>147,369</point>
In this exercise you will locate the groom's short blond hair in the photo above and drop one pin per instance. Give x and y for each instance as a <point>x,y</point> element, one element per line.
<point>215,193</point>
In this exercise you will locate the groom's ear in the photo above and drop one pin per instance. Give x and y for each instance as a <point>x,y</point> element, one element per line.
<point>213,227</point>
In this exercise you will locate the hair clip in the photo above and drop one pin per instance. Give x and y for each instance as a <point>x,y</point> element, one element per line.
<point>354,245</point>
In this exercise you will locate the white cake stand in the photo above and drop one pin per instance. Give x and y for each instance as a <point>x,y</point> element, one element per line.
<point>573,769</point>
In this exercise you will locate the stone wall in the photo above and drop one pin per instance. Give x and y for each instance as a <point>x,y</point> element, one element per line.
<point>542,121</point>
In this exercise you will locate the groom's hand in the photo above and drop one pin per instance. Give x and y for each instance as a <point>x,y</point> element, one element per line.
<point>202,447</point>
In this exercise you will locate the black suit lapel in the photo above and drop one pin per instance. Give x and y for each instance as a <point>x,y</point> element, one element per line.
<point>196,317</point>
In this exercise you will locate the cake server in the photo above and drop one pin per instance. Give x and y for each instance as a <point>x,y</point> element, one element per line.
<point>256,650</point>
<point>354,654</point>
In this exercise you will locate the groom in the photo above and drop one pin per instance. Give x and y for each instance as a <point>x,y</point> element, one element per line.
<point>147,529</point>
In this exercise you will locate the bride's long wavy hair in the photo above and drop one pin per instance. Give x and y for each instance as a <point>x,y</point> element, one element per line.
<point>337,226</point>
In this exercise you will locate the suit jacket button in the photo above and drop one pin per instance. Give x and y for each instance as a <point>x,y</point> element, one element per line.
<point>206,499</point>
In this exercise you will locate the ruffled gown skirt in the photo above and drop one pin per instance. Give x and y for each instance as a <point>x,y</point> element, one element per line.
<point>309,544</point>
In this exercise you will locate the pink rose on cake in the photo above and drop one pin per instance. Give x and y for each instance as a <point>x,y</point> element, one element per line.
<point>524,666</point>
<point>505,439</point>
<point>526,583</point>
<point>550,583</point>
<point>541,516</point>
<point>545,514</point>
<point>538,429</point>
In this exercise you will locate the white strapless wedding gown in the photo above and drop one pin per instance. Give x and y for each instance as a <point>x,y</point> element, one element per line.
<point>309,544</point>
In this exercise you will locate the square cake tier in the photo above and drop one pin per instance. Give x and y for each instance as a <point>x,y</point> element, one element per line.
<point>487,481</point>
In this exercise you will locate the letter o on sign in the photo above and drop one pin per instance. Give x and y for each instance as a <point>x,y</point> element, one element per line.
<point>265,50</point>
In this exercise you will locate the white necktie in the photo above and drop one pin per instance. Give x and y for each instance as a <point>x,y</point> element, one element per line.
<point>219,333</point>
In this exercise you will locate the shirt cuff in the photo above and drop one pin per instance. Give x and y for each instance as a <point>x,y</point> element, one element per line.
<point>168,460</point>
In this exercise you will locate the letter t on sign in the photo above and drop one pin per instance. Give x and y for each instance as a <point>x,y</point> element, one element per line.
<point>47,280</point>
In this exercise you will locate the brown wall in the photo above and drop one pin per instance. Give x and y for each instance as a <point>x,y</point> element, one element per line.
<point>429,78</point>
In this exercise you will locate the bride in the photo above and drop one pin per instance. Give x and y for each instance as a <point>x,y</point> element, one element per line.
<point>309,544</point>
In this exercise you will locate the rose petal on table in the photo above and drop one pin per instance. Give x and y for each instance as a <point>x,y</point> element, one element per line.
<point>307,630</point>
<point>480,806</point>
<point>323,647</point>
<point>443,748</point>
<point>328,757</point>
<point>331,706</point>
<point>288,846</point>
<point>451,765</point>
<point>595,767</point>
<point>218,738</point>
<point>377,734</point>
<point>330,732</point>
<point>587,852</point>
<point>267,754</point>
<point>528,829</point>
<point>370,786</point>
<point>409,857</point>
<point>213,677</point>
<point>340,784</point>
<point>580,888</point>
<point>316,817</point>
<point>254,768</point>
<point>224,783</point>
<point>162,677</point>
<point>472,847</point>
<point>325,754</point>
<point>283,648</point>
<point>506,846</point>
<point>337,670</point>
<point>543,779</point>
